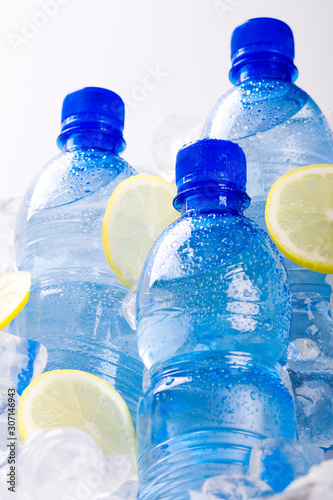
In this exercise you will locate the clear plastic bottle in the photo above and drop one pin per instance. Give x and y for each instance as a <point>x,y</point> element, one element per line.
<point>277,124</point>
<point>75,305</point>
<point>213,320</point>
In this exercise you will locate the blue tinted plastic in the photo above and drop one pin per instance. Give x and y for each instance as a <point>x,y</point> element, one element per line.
<point>280,128</point>
<point>261,47</point>
<point>21,360</point>
<point>213,311</point>
<point>75,304</point>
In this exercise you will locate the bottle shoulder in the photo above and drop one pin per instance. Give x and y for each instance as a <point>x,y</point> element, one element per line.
<point>261,91</point>
<point>72,176</point>
<point>195,244</point>
<point>256,106</point>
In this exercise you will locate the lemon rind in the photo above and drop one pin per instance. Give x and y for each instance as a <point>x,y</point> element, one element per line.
<point>26,426</point>
<point>124,272</point>
<point>310,260</point>
<point>22,280</point>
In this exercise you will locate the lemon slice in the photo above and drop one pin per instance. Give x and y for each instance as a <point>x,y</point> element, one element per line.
<point>139,209</point>
<point>73,398</point>
<point>14,294</point>
<point>299,216</point>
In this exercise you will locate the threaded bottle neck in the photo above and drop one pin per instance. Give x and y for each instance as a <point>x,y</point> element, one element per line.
<point>91,138</point>
<point>259,70</point>
<point>210,196</point>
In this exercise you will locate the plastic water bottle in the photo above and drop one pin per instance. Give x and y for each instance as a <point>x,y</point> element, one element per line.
<point>75,305</point>
<point>213,319</point>
<point>276,123</point>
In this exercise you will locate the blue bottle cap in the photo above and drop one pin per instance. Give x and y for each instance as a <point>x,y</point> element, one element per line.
<point>211,162</point>
<point>266,43</point>
<point>93,108</point>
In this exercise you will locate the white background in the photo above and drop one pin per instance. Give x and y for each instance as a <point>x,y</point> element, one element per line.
<point>116,44</point>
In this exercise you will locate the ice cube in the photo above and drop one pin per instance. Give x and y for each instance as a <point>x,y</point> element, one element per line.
<point>129,306</point>
<point>9,494</point>
<point>278,461</point>
<point>8,212</point>
<point>303,349</point>
<point>128,491</point>
<point>328,453</point>
<point>145,380</point>
<point>4,451</point>
<point>311,333</point>
<point>169,135</point>
<point>317,485</point>
<point>68,464</point>
<point>21,360</point>
<point>64,463</point>
<point>118,471</point>
<point>314,408</point>
<point>236,486</point>
<point>309,362</point>
<point>198,495</point>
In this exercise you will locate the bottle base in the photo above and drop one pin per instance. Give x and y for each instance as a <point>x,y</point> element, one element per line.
<point>201,417</point>
<point>184,463</point>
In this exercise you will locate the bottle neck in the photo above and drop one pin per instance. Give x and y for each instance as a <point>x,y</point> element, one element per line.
<point>259,70</point>
<point>211,197</point>
<point>95,139</point>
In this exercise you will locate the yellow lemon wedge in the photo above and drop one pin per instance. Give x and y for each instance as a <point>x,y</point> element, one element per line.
<point>73,398</point>
<point>299,216</point>
<point>139,209</point>
<point>14,294</point>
